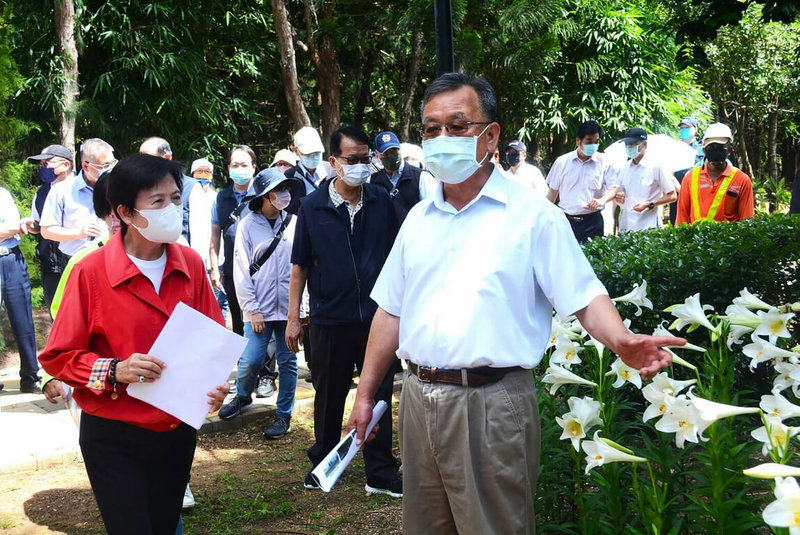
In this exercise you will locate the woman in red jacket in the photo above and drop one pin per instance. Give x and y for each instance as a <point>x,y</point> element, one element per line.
<point>116,302</point>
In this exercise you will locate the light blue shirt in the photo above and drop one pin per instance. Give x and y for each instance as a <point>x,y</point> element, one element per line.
<point>394,178</point>
<point>69,204</point>
<point>9,214</point>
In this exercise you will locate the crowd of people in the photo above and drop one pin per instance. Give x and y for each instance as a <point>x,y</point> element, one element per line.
<point>450,256</point>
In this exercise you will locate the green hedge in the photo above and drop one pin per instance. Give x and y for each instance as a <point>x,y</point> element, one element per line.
<point>715,259</point>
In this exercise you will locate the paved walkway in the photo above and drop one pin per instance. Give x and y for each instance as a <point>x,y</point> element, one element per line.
<point>38,434</point>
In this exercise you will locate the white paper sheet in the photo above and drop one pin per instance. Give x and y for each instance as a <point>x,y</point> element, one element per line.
<point>199,354</point>
<point>330,469</point>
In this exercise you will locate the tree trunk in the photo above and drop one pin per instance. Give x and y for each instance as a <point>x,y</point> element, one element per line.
<point>743,142</point>
<point>327,69</point>
<point>411,87</point>
<point>772,145</point>
<point>283,29</point>
<point>363,90</point>
<point>65,35</point>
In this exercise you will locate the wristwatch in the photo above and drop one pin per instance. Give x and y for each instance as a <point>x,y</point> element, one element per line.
<point>652,205</point>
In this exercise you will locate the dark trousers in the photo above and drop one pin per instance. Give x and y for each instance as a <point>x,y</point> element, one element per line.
<point>586,226</point>
<point>233,304</point>
<point>138,476</point>
<point>49,286</point>
<point>16,293</point>
<point>336,349</point>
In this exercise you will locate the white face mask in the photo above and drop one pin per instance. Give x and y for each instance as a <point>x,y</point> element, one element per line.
<point>164,225</point>
<point>282,199</point>
<point>451,159</point>
<point>311,161</point>
<point>356,174</point>
<point>632,151</point>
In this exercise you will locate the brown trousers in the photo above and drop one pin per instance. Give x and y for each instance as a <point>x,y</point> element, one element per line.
<point>470,456</point>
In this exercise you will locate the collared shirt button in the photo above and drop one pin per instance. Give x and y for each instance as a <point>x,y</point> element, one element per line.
<point>173,426</point>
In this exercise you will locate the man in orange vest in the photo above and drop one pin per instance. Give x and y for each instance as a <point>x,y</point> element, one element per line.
<point>716,191</point>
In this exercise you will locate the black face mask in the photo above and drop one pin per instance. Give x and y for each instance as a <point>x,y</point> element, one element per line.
<point>512,158</point>
<point>716,154</point>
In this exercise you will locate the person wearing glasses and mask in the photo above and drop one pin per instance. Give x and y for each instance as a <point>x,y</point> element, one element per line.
<point>261,270</point>
<point>344,232</point>
<point>466,297</point>
<point>68,215</point>
<point>583,181</point>
<point>117,301</point>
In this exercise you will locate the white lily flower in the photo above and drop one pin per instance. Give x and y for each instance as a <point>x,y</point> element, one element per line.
<point>563,327</point>
<point>778,408</point>
<point>661,331</point>
<point>557,376</point>
<point>691,313</point>
<point>583,415</point>
<point>566,353</point>
<point>773,324</point>
<point>636,297</point>
<point>748,300</point>
<point>679,361</point>
<point>661,387</point>
<point>599,453</point>
<point>778,436</point>
<point>736,333</point>
<point>683,419</point>
<point>625,373</point>
<point>788,375</point>
<point>740,315</point>
<point>711,411</point>
<point>761,351</point>
<point>771,471</point>
<point>784,512</point>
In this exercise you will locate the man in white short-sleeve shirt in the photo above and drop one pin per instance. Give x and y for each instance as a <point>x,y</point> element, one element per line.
<point>644,186</point>
<point>466,297</point>
<point>519,168</point>
<point>583,181</point>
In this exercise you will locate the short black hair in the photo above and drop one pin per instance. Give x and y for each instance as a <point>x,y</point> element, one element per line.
<point>136,173</point>
<point>452,81</point>
<point>99,196</point>
<point>589,127</point>
<point>244,148</point>
<point>351,132</point>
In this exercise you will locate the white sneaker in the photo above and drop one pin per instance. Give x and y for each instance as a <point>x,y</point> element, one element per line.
<point>188,498</point>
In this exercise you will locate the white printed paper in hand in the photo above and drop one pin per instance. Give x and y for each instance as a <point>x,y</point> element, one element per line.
<point>330,469</point>
<point>199,354</point>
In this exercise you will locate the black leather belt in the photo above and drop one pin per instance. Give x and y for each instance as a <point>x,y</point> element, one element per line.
<point>5,251</point>
<point>474,377</point>
<point>579,218</point>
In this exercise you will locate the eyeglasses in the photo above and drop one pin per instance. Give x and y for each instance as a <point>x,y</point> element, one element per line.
<point>353,160</point>
<point>103,167</point>
<point>457,128</point>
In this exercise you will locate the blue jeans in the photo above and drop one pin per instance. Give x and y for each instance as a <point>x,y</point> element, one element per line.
<point>252,360</point>
<point>16,294</point>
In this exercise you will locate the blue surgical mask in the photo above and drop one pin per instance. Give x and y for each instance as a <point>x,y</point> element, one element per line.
<point>590,149</point>
<point>311,161</point>
<point>241,176</point>
<point>631,151</point>
<point>685,133</point>
<point>451,159</point>
<point>204,181</point>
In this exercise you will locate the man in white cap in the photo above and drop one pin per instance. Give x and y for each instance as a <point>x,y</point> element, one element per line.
<point>310,168</point>
<point>716,191</point>
<point>284,160</point>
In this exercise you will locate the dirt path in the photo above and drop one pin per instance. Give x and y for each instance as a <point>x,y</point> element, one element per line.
<point>243,484</point>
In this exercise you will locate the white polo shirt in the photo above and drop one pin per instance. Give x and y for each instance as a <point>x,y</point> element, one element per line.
<point>530,175</point>
<point>579,181</point>
<point>642,182</point>
<point>69,204</point>
<point>9,217</point>
<point>477,287</point>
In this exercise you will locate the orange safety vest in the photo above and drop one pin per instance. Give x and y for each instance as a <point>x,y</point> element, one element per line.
<point>716,203</point>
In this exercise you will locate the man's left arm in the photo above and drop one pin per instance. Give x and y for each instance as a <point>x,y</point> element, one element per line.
<point>643,352</point>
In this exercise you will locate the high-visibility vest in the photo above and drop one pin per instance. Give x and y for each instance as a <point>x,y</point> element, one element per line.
<point>716,203</point>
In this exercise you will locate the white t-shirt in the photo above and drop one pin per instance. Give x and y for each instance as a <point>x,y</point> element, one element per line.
<point>642,182</point>
<point>152,269</point>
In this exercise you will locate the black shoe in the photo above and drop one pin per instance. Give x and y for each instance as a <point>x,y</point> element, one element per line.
<point>31,388</point>
<point>2,386</point>
<point>234,408</point>
<point>392,487</point>
<point>278,428</point>
<point>310,483</point>
<point>308,378</point>
<point>265,388</point>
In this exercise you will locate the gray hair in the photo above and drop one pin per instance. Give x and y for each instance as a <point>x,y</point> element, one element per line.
<point>452,81</point>
<point>92,148</point>
<point>155,146</point>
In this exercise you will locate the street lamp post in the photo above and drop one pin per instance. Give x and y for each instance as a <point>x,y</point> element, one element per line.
<point>443,15</point>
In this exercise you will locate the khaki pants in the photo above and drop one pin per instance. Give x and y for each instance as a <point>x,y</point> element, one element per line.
<point>470,456</point>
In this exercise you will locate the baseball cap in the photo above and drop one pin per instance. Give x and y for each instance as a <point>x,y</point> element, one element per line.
<point>517,145</point>
<point>691,121</point>
<point>307,141</point>
<point>635,135</point>
<point>717,133</point>
<point>285,155</point>
<point>51,151</point>
<point>385,141</point>
<point>201,162</point>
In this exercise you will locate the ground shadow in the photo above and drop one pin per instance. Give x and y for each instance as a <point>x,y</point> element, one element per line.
<point>71,510</point>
